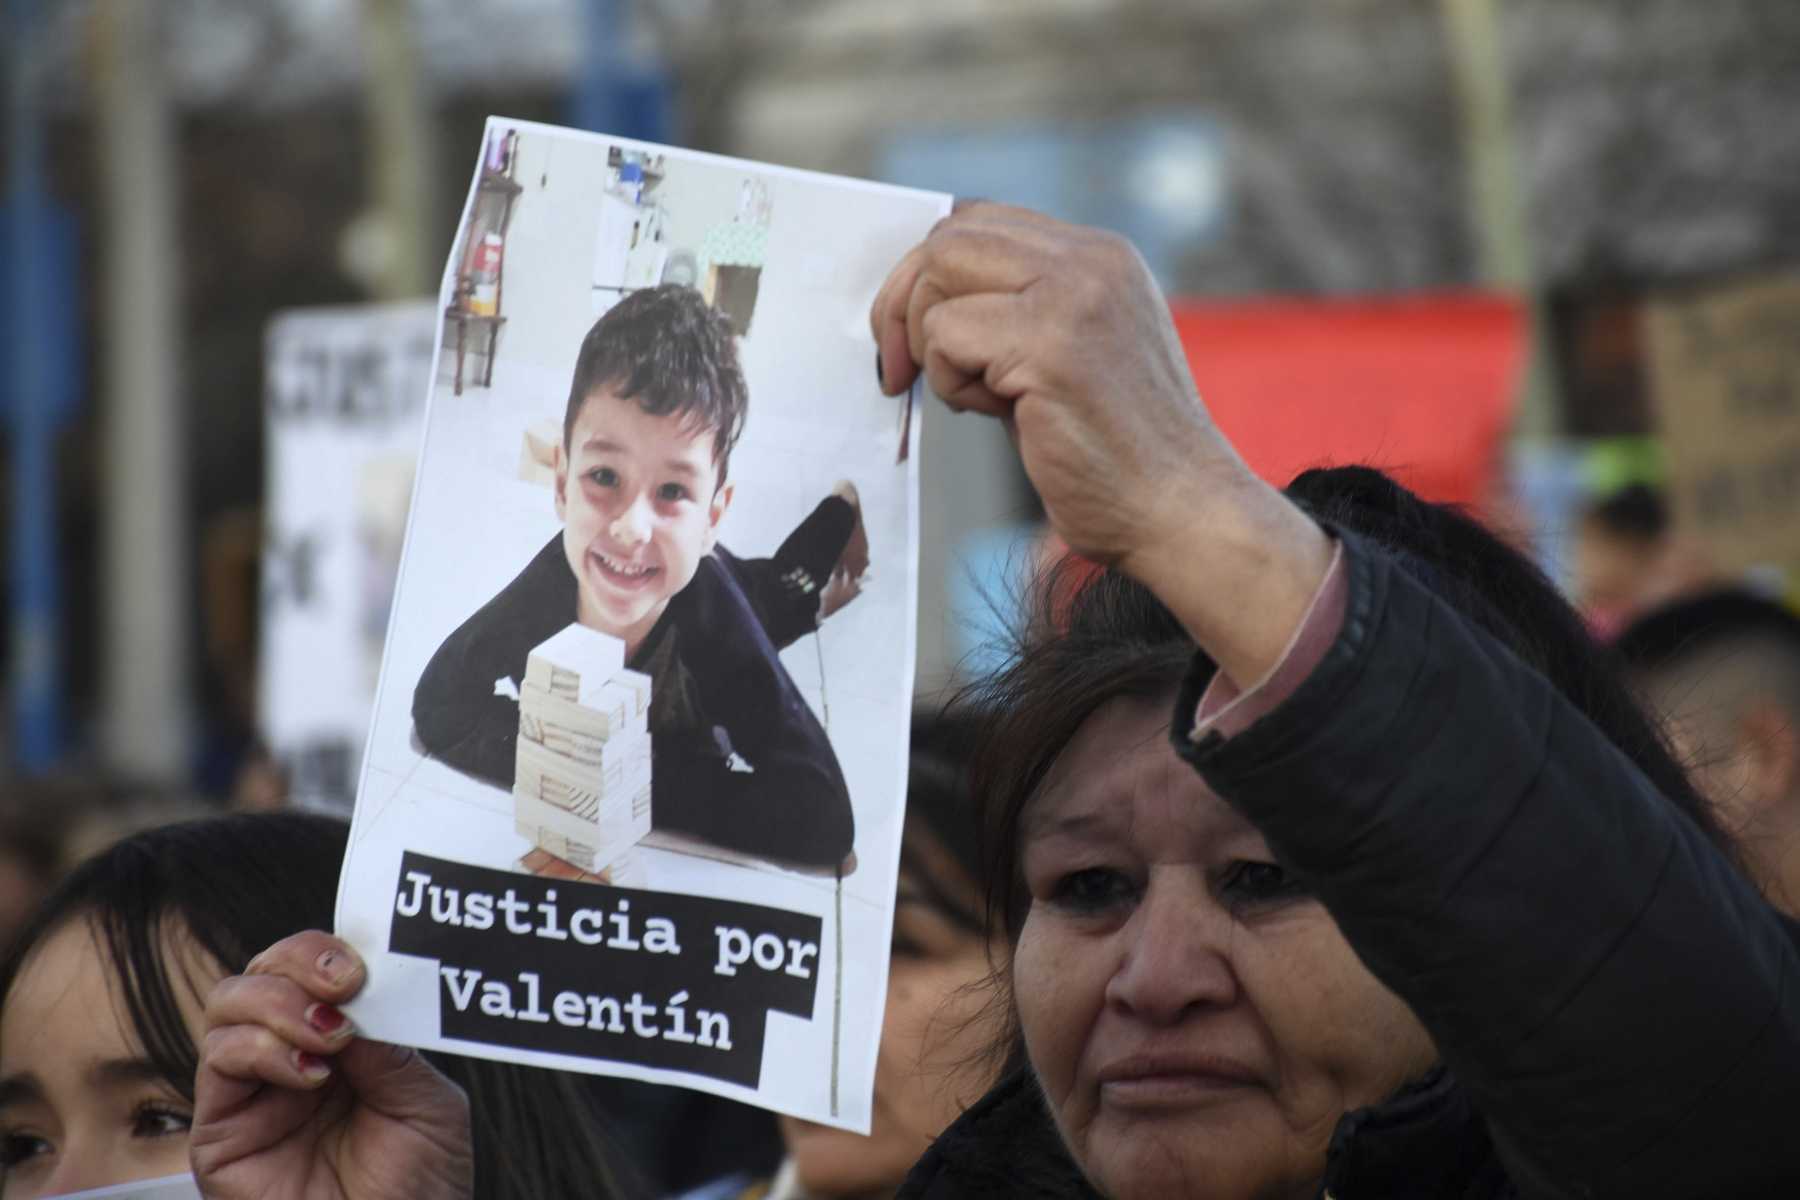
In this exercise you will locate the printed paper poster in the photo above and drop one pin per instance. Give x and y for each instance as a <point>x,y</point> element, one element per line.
<point>633,790</point>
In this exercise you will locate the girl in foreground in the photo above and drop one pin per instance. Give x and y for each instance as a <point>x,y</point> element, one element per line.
<point>101,1020</point>
<point>1397,903</point>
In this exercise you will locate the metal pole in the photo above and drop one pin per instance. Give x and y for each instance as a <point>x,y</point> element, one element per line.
<point>146,584</point>
<point>401,155</point>
<point>1496,209</point>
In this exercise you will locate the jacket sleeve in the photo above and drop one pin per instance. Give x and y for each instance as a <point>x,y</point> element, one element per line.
<point>1622,1005</point>
<point>456,712</point>
<point>764,779</point>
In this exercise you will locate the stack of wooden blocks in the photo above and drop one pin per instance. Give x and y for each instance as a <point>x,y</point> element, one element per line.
<point>581,782</point>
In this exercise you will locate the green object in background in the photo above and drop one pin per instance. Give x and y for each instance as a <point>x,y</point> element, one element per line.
<point>1611,464</point>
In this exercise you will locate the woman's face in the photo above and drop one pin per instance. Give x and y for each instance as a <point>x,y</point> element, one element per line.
<point>80,1105</point>
<point>1198,1024</point>
<point>924,1073</point>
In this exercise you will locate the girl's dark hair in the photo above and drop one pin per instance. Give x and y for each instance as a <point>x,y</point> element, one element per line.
<point>1086,636</point>
<point>237,884</point>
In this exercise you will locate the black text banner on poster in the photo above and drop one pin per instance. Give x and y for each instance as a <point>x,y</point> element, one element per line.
<point>684,983</point>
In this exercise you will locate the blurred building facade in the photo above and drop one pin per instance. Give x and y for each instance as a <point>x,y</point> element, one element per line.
<point>1251,146</point>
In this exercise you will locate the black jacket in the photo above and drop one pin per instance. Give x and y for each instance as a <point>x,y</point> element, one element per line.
<point>1617,1008</point>
<point>720,698</point>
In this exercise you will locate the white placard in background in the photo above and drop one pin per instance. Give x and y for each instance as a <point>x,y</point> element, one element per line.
<point>344,406</point>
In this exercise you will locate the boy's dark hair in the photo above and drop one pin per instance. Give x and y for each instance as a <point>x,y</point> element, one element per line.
<point>238,883</point>
<point>667,349</point>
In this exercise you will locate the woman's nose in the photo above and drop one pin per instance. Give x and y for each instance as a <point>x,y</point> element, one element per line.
<point>1176,956</point>
<point>632,526</point>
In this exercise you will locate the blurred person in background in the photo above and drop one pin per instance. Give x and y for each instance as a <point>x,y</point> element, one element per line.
<point>102,995</point>
<point>33,831</point>
<point>1723,668</point>
<point>935,1030</point>
<point>1621,541</point>
<point>50,823</point>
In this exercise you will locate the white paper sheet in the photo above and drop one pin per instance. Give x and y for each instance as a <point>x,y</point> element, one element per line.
<point>720,965</point>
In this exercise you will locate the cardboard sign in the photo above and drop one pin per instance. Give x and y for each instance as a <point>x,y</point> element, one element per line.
<point>634,788</point>
<point>344,405</point>
<point>1725,377</point>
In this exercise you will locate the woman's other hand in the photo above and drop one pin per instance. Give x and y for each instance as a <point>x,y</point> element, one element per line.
<point>290,1103</point>
<point>1060,331</point>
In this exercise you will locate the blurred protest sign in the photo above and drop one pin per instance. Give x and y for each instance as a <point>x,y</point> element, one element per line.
<point>344,403</point>
<point>1725,378</point>
<point>1423,387</point>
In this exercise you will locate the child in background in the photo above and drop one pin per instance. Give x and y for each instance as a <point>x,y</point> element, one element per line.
<point>102,995</point>
<point>655,407</point>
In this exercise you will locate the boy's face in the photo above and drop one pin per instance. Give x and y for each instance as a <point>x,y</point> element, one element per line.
<point>640,504</point>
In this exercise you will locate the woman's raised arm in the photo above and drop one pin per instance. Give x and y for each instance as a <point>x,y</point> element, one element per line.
<point>1061,332</point>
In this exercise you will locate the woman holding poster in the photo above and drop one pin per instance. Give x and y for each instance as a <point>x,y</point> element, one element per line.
<point>1400,902</point>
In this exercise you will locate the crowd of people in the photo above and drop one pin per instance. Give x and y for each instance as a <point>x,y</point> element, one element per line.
<point>1309,843</point>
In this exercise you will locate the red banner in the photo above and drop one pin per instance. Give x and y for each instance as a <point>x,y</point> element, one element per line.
<point>1421,386</point>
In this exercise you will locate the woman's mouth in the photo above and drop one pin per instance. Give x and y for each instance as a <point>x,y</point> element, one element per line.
<point>622,573</point>
<point>1173,1080</point>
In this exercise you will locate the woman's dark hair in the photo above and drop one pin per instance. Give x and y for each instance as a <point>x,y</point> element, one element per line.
<point>1087,636</point>
<point>235,885</point>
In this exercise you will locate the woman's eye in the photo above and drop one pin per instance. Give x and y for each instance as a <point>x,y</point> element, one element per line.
<point>606,477</point>
<point>157,1120</point>
<point>671,493</point>
<point>1092,890</point>
<point>1249,882</point>
<point>16,1149</point>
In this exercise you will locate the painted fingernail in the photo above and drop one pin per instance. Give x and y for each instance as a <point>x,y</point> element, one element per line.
<point>328,1021</point>
<point>312,1068</point>
<point>880,375</point>
<point>335,966</point>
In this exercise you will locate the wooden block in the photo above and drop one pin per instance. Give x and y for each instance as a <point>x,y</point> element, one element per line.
<point>592,767</point>
<point>639,685</point>
<point>575,663</point>
<point>541,711</point>
<point>605,833</point>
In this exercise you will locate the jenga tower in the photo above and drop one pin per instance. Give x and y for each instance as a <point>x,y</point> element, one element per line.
<point>581,783</point>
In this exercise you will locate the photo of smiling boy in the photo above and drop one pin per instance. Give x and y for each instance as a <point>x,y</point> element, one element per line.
<point>656,405</point>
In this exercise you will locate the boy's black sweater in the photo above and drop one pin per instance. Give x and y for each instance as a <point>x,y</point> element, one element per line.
<point>720,698</point>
